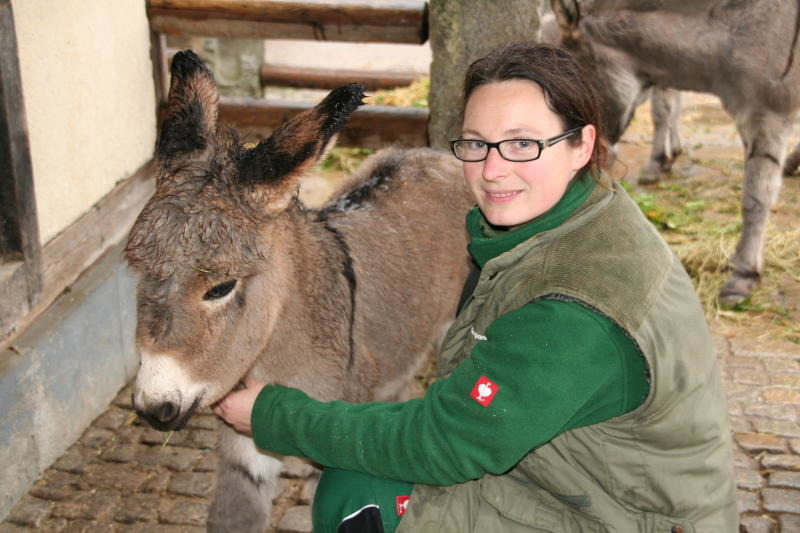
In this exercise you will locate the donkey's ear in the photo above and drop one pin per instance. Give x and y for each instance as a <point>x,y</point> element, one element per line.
<point>275,166</point>
<point>191,118</point>
<point>568,17</point>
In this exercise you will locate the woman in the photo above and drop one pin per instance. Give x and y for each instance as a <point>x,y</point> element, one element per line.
<point>578,386</point>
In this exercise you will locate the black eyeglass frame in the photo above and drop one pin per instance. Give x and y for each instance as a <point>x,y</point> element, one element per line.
<point>543,143</point>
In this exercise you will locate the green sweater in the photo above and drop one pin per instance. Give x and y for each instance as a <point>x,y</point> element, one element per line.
<point>562,366</point>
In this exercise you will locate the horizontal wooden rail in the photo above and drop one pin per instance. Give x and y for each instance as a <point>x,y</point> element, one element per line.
<point>368,127</point>
<point>323,78</point>
<point>396,21</point>
<point>315,78</point>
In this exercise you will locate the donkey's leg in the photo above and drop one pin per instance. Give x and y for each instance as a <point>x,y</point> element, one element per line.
<point>247,481</point>
<point>665,108</point>
<point>764,136</point>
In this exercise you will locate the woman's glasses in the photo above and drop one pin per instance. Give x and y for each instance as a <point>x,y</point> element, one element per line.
<point>517,150</point>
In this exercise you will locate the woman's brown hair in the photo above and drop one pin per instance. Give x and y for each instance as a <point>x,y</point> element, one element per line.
<point>567,89</point>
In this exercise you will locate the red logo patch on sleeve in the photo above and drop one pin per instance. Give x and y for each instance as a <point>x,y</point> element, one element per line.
<point>402,504</point>
<point>484,391</point>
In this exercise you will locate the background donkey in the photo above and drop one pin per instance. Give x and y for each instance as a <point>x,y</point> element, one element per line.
<point>237,278</point>
<point>743,52</point>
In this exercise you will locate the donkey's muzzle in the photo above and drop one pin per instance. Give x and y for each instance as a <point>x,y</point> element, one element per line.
<point>167,416</point>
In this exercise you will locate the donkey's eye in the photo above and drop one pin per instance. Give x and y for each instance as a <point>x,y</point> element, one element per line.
<point>218,291</point>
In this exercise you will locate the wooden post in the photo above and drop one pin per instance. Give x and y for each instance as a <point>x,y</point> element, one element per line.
<point>461,31</point>
<point>20,249</point>
<point>158,55</point>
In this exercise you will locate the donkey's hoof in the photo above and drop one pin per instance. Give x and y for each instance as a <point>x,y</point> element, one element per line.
<point>649,176</point>
<point>737,289</point>
<point>648,179</point>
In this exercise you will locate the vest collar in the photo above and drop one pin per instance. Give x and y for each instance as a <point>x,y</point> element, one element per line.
<point>488,242</point>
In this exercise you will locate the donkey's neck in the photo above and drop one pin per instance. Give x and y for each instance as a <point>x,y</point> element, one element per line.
<point>318,312</point>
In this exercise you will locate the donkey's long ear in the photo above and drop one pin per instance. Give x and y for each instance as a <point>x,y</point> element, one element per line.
<point>191,118</point>
<point>568,16</point>
<point>275,166</point>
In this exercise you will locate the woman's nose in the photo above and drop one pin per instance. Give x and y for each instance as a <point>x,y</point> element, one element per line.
<point>494,166</point>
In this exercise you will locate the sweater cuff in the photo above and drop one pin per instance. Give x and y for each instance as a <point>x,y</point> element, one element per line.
<point>260,415</point>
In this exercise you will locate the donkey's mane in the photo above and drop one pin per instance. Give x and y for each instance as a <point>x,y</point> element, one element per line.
<point>374,179</point>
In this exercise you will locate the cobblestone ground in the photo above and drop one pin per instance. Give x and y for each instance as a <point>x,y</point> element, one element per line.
<point>762,379</point>
<point>120,477</point>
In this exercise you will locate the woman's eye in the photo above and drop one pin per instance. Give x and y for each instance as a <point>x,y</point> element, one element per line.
<point>218,291</point>
<point>476,145</point>
<point>522,144</point>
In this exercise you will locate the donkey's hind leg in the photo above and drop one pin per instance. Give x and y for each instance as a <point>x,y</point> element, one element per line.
<point>247,481</point>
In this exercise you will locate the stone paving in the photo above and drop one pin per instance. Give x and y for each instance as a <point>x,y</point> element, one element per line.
<point>762,379</point>
<point>121,477</point>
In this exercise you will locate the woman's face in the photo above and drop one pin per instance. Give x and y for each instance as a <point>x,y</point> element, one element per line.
<point>512,193</point>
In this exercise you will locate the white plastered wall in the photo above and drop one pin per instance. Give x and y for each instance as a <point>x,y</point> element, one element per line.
<point>89,96</point>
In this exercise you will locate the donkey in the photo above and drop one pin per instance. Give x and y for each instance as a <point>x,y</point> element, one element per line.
<point>743,52</point>
<point>237,279</point>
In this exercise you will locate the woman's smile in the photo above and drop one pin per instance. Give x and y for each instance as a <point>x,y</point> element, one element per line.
<point>502,196</point>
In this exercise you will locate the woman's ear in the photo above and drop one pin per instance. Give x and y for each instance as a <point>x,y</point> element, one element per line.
<point>583,152</point>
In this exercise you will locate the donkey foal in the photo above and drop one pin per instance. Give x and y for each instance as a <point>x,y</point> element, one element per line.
<point>238,279</point>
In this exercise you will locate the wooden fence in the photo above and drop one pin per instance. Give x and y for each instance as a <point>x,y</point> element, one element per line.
<point>386,21</point>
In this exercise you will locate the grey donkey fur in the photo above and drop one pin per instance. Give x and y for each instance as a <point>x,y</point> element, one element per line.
<point>744,52</point>
<point>665,110</point>
<point>237,279</point>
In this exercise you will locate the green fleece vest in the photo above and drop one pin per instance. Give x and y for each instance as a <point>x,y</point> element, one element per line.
<point>666,466</point>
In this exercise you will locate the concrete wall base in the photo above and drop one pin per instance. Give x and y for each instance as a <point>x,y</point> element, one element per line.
<point>63,371</point>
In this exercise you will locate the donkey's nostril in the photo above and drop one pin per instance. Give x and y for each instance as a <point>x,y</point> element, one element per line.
<point>166,412</point>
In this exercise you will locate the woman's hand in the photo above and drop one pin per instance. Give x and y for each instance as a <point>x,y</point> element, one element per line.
<point>237,406</point>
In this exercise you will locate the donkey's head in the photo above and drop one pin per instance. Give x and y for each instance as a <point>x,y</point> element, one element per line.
<point>209,282</point>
